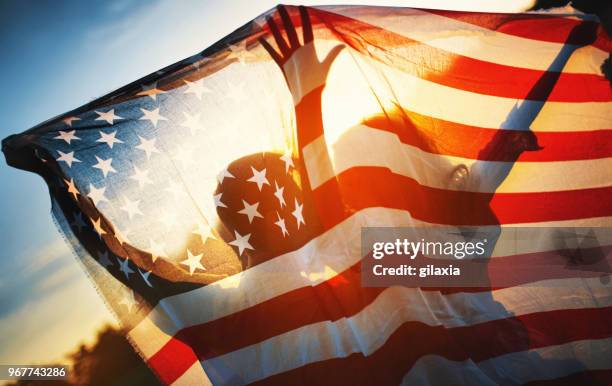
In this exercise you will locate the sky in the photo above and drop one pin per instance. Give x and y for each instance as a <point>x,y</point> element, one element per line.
<point>56,56</point>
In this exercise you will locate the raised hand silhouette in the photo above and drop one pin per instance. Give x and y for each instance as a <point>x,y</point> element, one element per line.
<point>297,60</point>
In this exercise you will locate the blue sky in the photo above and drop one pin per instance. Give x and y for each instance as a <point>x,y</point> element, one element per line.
<point>58,55</point>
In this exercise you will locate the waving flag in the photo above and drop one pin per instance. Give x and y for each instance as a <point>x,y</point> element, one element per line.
<point>217,204</point>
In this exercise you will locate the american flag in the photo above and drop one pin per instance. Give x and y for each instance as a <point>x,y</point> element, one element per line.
<point>217,204</point>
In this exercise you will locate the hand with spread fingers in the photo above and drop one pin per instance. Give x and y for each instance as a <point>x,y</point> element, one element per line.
<point>298,62</point>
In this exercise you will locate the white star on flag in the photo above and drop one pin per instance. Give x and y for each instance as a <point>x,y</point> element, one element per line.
<point>124,267</point>
<point>69,158</point>
<point>198,60</point>
<point>193,261</point>
<point>103,259</point>
<point>147,145</point>
<point>281,224</point>
<point>259,177</point>
<point>240,52</point>
<point>297,213</point>
<point>152,115</point>
<point>105,166</point>
<point>218,203</point>
<point>241,242</point>
<point>131,207</point>
<point>108,116</point>
<point>204,231</point>
<point>223,174</point>
<point>145,276</point>
<point>278,193</point>
<point>68,120</point>
<point>288,160</point>
<point>109,138</point>
<point>142,176</point>
<point>72,188</point>
<point>192,122</point>
<point>156,250</point>
<point>67,136</point>
<point>97,224</point>
<point>150,90</point>
<point>250,211</point>
<point>78,222</point>
<point>196,88</point>
<point>96,195</point>
<point>121,239</point>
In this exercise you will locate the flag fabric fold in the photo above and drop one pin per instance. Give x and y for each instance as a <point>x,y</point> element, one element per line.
<point>217,204</point>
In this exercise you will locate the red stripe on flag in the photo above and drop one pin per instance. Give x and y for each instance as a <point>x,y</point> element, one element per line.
<point>173,361</point>
<point>309,123</point>
<point>438,136</point>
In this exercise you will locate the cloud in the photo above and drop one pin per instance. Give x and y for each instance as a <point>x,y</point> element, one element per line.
<point>41,258</point>
<point>38,273</point>
<point>43,329</point>
<point>47,305</point>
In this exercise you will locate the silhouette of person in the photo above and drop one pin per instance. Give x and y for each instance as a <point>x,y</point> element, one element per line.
<point>271,233</point>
